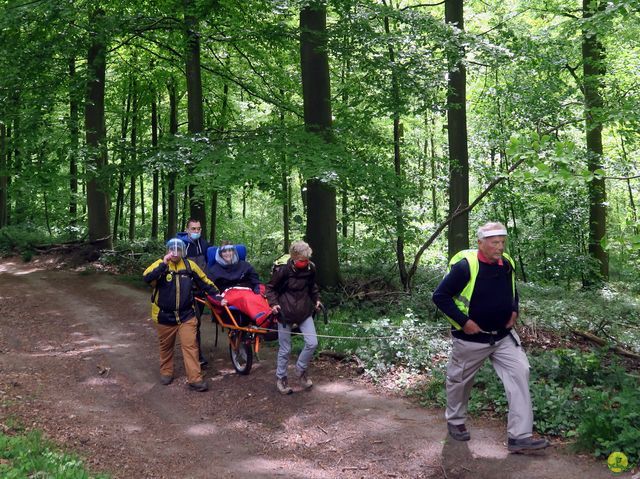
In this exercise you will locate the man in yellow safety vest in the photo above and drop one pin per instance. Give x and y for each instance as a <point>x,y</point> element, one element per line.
<point>480,299</point>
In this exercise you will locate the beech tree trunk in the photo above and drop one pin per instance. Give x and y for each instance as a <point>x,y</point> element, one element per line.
<point>124,127</point>
<point>74,140</point>
<point>195,111</point>
<point>156,176</point>
<point>214,193</point>
<point>285,190</point>
<point>397,163</point>
<point>321,230</point>
<point>97,172</point>
<point>172,207</point>
<point>458,238</point>
<point>4,177</point>
<point>593,58</point>
<point>134,165</point>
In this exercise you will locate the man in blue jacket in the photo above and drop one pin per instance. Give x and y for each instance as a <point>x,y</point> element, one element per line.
<point>479,297</point>
<point>196,251</point>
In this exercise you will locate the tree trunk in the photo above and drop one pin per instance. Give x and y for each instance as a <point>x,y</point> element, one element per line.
<point>4,177</point>
<point>285,187</point>
<point>195,112</point>
<point>156,179</point>
<point>124,127</point>
<point>17,147</point>
<point>185,206</point>
<point>134,163</point>
<point>457,136</point>
<point>132,207</point>
<point>316,93</point>
<point>164,198</point>
<point>74,137</point>
<point>397,162</point>
<point>593,58</point>
<point>214,217</point>
<point>119,200</point>
<point>172,207</point>
<point>286,210</point>
<point>142,211</point>
<point>344,72</point>
<point>244,202</point>
<point>632,203</point>
<point>97,171</point>
<point>222,125</point>
<point>434,174</point>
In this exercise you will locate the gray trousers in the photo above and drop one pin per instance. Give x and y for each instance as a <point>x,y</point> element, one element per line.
<point>308,329</point>
<point>512,366</point>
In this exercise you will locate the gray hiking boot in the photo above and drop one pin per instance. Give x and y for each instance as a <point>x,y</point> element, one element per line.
<point>304,380</point>
<point>283,386</point>
<point>199,386</point>
<point>459,432</point>
<point>527,444</point>
<point>165,380</point>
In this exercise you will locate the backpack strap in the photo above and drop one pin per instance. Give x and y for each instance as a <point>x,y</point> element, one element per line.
<point>187,266</point>
<point>188,271</point>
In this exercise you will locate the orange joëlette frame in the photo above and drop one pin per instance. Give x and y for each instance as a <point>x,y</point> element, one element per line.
<point>233,324</point>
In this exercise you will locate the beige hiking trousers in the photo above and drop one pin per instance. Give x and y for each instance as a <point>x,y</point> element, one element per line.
<point>512,366</point>
<point>167,339</point>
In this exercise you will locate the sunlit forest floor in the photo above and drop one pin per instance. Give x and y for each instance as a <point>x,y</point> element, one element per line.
<point>79,361</point>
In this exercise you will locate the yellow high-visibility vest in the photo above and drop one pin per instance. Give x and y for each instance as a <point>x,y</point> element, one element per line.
<point>464,298</point>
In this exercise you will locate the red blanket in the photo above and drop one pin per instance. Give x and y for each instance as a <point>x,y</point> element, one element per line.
<point>255,306</point>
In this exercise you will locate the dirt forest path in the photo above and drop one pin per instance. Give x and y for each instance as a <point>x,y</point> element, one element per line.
<point>78,359</point>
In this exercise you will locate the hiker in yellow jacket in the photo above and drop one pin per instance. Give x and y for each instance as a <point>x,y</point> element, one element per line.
<point>172,308</point>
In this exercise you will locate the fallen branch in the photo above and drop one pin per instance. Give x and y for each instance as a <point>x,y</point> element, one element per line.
<point>455,214</point>
<point>343,357</point>
<point>332,354</point>
<point>617,349</point>
<point>355,468</point>
<point>64,243</point>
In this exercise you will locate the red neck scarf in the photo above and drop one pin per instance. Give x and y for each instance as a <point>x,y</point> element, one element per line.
<point>484,259</point>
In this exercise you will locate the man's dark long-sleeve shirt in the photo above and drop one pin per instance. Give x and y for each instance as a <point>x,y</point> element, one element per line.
<point>492,301</point>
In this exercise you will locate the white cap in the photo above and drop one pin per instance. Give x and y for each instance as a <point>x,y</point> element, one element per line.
<point>488,233</point>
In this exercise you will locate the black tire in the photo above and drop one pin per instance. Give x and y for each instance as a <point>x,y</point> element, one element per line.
<point>242,356</point>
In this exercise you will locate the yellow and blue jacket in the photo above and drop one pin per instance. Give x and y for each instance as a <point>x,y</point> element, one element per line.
<point>172,298</point>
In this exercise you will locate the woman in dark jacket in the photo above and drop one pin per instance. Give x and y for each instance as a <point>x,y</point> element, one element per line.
<point>293,294</point>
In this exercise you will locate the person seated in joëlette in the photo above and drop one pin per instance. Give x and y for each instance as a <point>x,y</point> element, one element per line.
<point>239,283</point>
<point>230,271</point>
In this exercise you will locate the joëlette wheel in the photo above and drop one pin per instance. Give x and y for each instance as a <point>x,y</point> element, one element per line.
<point>241,353</point>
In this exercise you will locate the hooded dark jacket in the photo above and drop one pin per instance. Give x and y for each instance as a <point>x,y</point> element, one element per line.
<point>294,290</point>
<point>196,249</point>
<point>237,273</point>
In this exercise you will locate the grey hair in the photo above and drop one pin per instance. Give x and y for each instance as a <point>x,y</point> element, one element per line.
<point>300,248</point>
<point>492,225</point>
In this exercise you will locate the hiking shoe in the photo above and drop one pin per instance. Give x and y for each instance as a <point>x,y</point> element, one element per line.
<point>283,386</point>
<point>527,444</point>
<point>204,363</point>
<point>165,380</point>
<point>199,386</point>
<point>459,432</point>
<point>304,380</point>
